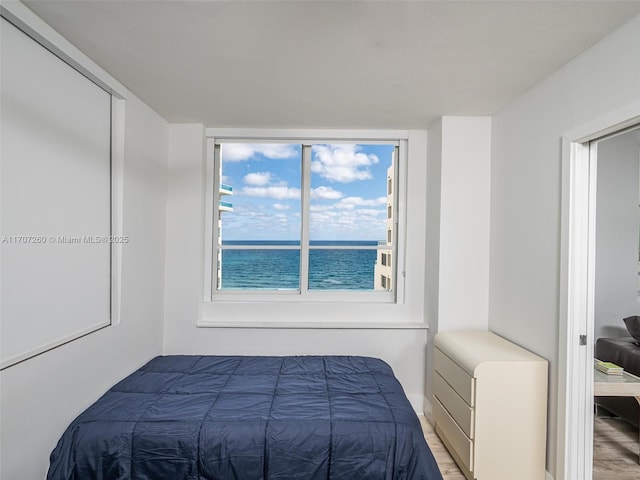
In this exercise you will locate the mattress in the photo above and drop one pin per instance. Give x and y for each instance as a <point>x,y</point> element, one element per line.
<point>245,418</point>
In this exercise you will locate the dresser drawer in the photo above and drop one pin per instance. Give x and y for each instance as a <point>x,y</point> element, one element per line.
<point>455,438</point>
<point>461,381</point>
<point>454,404</point>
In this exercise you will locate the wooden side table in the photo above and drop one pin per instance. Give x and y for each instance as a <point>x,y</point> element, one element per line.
<point>625,385</point>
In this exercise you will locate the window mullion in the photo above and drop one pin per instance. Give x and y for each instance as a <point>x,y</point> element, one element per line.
<point>399,199</point>
<point>304,208</point>
<point>216,224</point>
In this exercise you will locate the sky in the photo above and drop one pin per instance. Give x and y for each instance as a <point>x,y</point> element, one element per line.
<point>348,191</point>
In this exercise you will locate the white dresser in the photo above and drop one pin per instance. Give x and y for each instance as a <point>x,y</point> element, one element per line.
<point>490,405</point>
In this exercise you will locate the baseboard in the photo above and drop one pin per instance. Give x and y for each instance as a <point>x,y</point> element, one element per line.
<point>548,476</point>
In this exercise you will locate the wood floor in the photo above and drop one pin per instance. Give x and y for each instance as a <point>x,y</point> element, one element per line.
<point>615,451</point>
<point>448,467</point>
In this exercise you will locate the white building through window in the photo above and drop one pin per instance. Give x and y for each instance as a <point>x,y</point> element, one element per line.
<point>383,264</point>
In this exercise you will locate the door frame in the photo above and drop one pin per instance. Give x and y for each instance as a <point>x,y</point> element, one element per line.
<point>574,439</point>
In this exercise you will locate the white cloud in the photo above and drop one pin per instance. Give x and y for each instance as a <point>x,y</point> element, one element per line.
<point>371,212</point>
<point>237,152</point>
<point>256,221</point>
<point>334,222</point>
<point>350,203</point>
<point>320,208</point>
<point>280,206</point>
<point>325,193</point>
<point>281,218</point>
<point>279,193</point>
<point>257,179</point>
<point>263,221</point>
<point>323,214</point>
<point>351,217</point>
<point>342,163</point>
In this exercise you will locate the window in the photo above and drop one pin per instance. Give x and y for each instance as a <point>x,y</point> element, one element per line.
<point>306,218</point>
<point>385,283</point>
<point>386,259</point>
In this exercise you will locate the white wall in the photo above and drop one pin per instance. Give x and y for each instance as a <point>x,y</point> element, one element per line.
<point>526,189</point>
<point>42,395</point>
<point>403,348</point>
<point>464,223</point>
<point>458,194</point>
<point>617,232</point>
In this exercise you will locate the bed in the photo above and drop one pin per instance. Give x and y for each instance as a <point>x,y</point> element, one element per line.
<point>245,418</point>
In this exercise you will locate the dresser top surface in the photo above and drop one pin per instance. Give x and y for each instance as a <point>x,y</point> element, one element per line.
<point>471,348</point>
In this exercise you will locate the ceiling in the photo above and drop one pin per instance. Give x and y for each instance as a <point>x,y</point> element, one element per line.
<point>330,64</point>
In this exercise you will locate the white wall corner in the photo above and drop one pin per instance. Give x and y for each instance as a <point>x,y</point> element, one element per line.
<point>427,409</point>
<point>432,255</point>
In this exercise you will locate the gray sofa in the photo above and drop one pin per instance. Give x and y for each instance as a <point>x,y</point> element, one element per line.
<point>624,352</point>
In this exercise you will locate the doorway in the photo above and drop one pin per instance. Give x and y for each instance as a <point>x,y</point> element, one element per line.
<point>577,298</point>
<point>617,235</point>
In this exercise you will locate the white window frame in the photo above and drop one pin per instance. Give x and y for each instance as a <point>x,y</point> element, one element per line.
<point>303,137</point>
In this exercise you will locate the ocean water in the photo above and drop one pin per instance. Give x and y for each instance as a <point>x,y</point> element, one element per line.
<point>329,268</point>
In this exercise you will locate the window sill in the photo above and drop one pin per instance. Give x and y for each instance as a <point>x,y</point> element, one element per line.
<point>314,325</point>
<point>308,297</point>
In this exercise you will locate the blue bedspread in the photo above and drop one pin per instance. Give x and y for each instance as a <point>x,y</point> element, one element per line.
<point>249,418</point>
